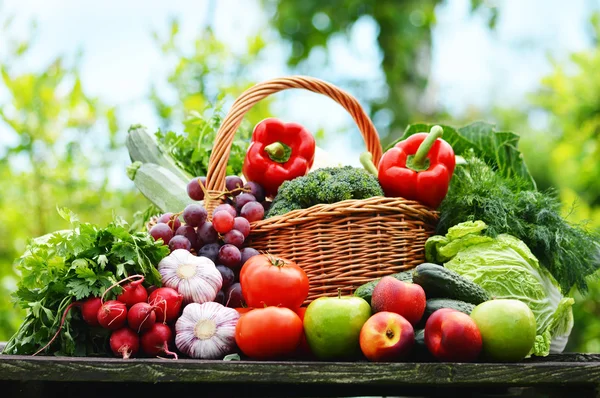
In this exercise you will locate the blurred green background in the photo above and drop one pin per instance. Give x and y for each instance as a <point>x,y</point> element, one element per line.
<point>75,76</point>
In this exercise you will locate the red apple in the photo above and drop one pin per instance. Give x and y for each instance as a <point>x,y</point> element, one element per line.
<point>386,337</point>
<point>406,299</point>
<point>452,336</point>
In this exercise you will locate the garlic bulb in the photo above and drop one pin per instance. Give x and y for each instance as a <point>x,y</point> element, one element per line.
<point>197,279</point>
<point>206,331</point>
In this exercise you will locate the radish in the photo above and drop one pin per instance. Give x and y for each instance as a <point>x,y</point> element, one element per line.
<point>156,340</point>
<point>133,293</point>
<point>138,282</point>
<point>112,315</point>
<point>167,302</point>
<point>89,310</point>
<point>141,317</point>
<point>151,288</point>
<point>124,342</point>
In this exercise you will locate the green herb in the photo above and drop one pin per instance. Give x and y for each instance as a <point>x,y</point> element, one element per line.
<point>508,205</point>
<point>496,148</point>
<point>65,266</point>
<point>191,150</point>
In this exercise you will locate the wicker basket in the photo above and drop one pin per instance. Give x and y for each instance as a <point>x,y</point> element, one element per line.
<point>340,245</point>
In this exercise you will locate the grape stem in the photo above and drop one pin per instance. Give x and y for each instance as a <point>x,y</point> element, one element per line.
<point>222,194</point>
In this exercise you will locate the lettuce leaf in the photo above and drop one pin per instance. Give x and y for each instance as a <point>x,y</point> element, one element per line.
<point>505,267</point>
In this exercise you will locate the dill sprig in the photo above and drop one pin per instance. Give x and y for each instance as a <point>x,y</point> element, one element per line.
<point>477,192</point>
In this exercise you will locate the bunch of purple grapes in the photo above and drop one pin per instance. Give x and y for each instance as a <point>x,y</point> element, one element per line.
<point>222,239</point>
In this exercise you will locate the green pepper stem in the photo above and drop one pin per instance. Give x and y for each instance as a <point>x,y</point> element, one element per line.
<point>366,159</point>
<point>421,155</point>
<point>279,152</point>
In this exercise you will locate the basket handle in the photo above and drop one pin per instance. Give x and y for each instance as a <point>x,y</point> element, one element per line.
<point>217,164</point>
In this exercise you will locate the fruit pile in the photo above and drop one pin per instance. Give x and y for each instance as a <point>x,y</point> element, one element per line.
<point>401,317</point>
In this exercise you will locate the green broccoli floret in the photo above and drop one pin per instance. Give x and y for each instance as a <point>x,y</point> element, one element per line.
<point>325,185</point>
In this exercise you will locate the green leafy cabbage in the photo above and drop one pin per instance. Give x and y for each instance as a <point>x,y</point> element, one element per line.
<point>505,267</point>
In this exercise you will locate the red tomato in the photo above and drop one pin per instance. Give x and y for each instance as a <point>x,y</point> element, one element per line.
<point>268,333</point>
<point>270,281</point>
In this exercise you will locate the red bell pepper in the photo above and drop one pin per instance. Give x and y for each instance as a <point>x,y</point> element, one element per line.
<point>418,168</point>
<point>278,152</point>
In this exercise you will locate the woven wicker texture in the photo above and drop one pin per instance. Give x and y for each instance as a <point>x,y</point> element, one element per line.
<point>340,245</point>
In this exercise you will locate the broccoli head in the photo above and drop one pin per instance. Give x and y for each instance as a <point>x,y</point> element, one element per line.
<point>325,185</point>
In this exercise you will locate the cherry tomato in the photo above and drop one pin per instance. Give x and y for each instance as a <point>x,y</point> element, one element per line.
<point>271,281</point>
<point>268,333</point>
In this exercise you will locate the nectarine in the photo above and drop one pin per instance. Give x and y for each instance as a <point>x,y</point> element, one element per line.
<point>452,336</point>
<point>386,337</point>
<point>406,299</point>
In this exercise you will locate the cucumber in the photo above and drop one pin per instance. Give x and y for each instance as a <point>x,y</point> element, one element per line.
<point>366,291</point>
<point>421,352</point>
<point>160,186</point>
<point>143,148</point>
<point>434,304</point>
<point>438,281</point>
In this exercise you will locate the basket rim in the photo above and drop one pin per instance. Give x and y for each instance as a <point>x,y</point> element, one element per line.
<point>382,204</point>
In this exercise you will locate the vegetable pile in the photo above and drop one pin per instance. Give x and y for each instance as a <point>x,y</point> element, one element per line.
<point>497,283</point>
<point>68,266</point>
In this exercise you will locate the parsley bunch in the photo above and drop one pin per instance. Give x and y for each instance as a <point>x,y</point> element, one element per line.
<point>71,265</point>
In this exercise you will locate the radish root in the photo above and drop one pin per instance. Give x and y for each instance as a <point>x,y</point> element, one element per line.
<point>166,351</point>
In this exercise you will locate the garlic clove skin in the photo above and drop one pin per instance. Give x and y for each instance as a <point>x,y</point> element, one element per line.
<point>197,279</point>
<point>206,331</point>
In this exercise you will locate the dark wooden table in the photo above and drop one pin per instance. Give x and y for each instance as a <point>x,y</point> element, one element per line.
<point>564,375</point>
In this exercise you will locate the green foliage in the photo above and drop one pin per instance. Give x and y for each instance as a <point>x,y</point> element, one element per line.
<point>404,40</point>
<point>497,148</point>
<point>570,97</point>
<point>192,149</point>
<point>324,185</point>
<point>66,142</point>
<point>71,265</point>
<point>208,74</point>
<point>508,205</point>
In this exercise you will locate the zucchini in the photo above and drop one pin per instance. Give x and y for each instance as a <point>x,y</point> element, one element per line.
<point>366,291</point>
<point>160,186</point>
<point>142,147</point>
<point>438,281</point>
<point>434,304</point>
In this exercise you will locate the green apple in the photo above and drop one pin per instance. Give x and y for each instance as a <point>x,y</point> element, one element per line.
<point>332,326</point>
<point>507,329</point>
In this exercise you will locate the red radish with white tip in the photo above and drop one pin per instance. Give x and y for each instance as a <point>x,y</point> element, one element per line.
<point>124,343</point>
<point>167,302</point>
<point>112,315</point>
<point>141,317</point>
<point>156,340</point>
<point>89,310</point>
